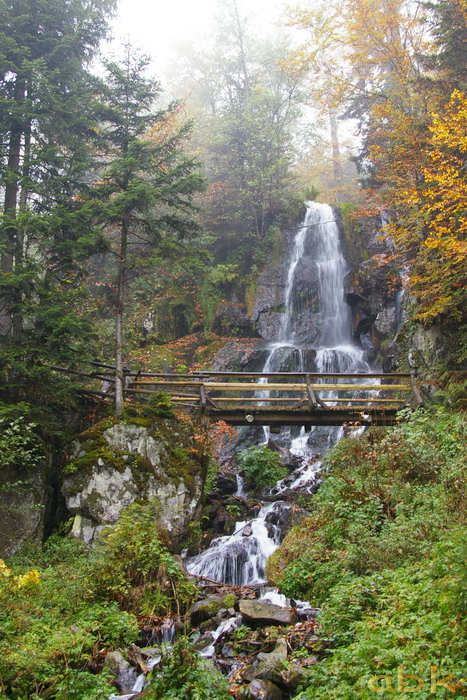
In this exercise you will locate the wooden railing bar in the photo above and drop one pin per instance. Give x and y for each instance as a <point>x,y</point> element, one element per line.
<point>277,375</point>
<point>298,387</point>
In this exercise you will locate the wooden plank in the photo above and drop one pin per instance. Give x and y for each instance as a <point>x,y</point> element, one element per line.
<point>277,375</point>
<point>238,417</point>
<point>258,400</point>
<point>164,383</point>
<point>300,387</point>
<point>279,387</point>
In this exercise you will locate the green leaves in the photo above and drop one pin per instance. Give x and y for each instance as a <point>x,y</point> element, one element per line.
<point>384,554</point>
<point>262,466</point>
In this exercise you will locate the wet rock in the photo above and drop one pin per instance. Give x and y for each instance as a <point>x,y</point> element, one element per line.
<point>241,356</point>
<point>268,664</point>
<point>208,608</point>
<point>261,690</point>
<point>227,651</point>
<point>257,612</point>
<point>204,641</point>
<point>226,483</point>
<point>385,322</point>
<point>124,674</point>
<point>231,319</point>
<point>247,530</point>
<point>269,324</point>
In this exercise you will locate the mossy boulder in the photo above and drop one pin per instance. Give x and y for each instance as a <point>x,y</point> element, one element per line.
<point>144,458</point>
<point>208,608</point>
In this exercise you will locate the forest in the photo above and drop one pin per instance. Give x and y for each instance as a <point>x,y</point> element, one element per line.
<point>289,201</point>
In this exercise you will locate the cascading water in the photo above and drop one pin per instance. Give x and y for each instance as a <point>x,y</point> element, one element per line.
<point>323,345</point>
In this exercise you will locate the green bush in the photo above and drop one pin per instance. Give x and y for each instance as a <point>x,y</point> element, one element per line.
<point>160,404</point>
<point>52,626</point>
<point>136,569</point>
<point>262,466</point>
<point>62,605</point>
<point>383,553</point>
<point>184,674</point>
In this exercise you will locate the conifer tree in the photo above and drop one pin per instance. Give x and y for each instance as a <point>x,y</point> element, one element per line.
<point>146,183</point>
<point>46,224</point>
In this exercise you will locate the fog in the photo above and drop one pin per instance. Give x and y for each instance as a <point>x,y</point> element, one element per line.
<point>159,28</point>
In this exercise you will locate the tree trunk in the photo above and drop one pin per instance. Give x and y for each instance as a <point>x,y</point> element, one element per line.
<point>10,204</point>
<point>119,378</point>
<point>336,155</point>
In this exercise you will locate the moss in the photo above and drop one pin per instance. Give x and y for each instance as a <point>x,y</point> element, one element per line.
<point>209,608</point>
<point>180,461</point>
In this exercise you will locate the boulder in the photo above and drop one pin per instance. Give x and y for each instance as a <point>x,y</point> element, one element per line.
<point>113,466</point>
<point>261,690</point>
<point>268,664</point>
<point>257,612</point>
<point>208,608</point>
<point>203,641</point>
<point>125,675</point>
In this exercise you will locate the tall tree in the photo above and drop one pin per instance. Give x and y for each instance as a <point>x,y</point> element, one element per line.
<point>245,100</point>
<point>46,222</point>
<point>146,182</point>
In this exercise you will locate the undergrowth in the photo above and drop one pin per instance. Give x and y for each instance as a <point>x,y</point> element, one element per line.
<point>383,553</point>
<point>62,607</point>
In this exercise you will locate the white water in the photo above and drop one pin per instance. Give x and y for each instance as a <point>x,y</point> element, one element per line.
<point>240,558</point>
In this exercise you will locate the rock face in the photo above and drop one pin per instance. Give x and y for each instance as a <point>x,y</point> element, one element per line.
<point>124,674</point>
<point>112,466</point>
<point>267,312</point>
<point>374,286</point>
<point>230,319</point>
<point>23,493</point>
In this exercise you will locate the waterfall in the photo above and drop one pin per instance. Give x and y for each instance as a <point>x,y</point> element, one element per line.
<point>333,345</point>
<point>240,558</point>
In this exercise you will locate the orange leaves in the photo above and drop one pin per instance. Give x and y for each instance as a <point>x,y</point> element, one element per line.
<point>437,231</point>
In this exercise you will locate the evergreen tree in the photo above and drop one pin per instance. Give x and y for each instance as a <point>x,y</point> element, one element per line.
<point>146,182</point>
<point>47,221</point>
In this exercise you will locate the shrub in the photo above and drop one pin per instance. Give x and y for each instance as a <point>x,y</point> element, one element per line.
<point>185,675</point>
<point>383,554</point>
<point>160,404</point>
<point>52,626</point>
<point>262,466</point>
<point>136,569</point>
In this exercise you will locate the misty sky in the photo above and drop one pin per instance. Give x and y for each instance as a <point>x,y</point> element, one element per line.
<point>158,26</point>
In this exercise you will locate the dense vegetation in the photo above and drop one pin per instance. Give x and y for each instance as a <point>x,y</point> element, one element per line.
<point>127,222</point>
<point>63,607</point>
<point>384,554</point>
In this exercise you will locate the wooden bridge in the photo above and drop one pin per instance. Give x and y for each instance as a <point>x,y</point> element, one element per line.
<point>274,399</point>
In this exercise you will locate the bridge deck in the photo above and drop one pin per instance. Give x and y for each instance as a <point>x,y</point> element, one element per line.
<point>287,398</point>
<point>272,398</point>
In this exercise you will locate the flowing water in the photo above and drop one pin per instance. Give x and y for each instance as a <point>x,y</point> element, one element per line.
<point>240,558</point>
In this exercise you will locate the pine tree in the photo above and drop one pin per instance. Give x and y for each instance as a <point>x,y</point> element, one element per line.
<point>46,226</point>
<point>146,183</point>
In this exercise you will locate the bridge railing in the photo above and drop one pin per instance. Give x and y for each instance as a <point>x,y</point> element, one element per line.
<point>280,398</point>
